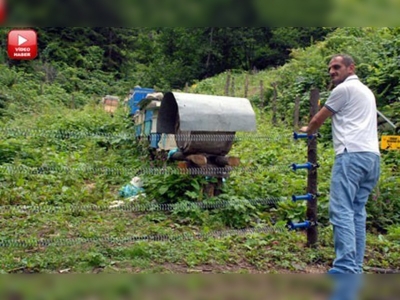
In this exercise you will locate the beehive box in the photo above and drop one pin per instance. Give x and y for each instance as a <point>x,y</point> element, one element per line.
<point>137,95</point>
<point>154,121</point>
<point>110,103</point>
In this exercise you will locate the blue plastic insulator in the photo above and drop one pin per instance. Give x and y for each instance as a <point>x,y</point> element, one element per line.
<point>307,197</point>
<point>308,166</point>
<point>304,225</point>
<point>297,136</point>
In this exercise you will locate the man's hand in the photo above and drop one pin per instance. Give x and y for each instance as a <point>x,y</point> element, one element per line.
<point>317,121</point>
<point>304,129</point>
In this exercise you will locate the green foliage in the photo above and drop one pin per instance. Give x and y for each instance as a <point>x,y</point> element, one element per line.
<point>61,147</point>
<point>189,213</point>
<point>384,205</point>
<point>90,59</point>
<point>174,188</point>
<point>238,213</point>
<point>394,233</point>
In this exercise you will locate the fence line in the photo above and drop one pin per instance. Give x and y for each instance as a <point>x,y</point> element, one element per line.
<point>59,242</point>
<point>64,134</point>
<point>45,170</point>
<point>136,207</point>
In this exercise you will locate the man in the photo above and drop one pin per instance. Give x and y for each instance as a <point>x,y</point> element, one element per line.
<point>355,172</point>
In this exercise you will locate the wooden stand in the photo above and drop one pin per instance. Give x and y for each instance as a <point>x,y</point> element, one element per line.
<point>203,160</point>
<point>213,189</point>
<point>207,165</point>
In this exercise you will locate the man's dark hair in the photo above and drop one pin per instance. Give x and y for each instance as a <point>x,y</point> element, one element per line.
<point>347,59</point>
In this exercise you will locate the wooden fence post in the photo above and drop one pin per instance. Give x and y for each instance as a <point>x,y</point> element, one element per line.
<point>312,232</point>
<point>296,113</point>
<point>261,94</point>
<point>233,86</point>
<point>274,85</point>
<point>246,85</point>
<point>228,83</point>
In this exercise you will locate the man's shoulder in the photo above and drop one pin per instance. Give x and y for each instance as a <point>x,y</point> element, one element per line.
<point>355,83</point>
<point>352,78</point>
<point>339,89</point>
<point>351,81</point>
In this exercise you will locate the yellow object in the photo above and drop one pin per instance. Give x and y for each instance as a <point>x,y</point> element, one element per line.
<point>390,142</point>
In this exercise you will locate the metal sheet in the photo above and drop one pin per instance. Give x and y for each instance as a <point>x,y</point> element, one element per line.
<point>195,112</point>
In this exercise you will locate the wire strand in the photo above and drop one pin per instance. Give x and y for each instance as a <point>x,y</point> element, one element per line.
<point>62,242</point>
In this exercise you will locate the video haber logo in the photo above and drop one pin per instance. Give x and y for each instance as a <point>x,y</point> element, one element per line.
<point>22,44</point>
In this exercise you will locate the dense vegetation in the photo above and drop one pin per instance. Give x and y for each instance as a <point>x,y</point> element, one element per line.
<point>164,57</point>
<point>59,148</point>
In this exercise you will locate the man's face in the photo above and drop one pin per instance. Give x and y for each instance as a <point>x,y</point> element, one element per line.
<point>339,71</point>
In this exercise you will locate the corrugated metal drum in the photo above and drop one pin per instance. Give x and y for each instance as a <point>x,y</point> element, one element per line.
<point>216,143</point>
<point>204,123</point>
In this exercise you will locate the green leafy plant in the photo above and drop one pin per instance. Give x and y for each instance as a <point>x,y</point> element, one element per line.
<point>173,188</point>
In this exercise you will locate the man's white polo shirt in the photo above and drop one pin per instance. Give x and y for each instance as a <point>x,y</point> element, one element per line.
<point>354,120</point>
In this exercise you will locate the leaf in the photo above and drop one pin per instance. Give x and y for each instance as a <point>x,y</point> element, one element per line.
<point>192,195</point>
<point>195,184</point>
<point>163,189</point>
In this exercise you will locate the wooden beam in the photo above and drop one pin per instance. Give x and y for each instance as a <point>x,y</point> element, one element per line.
<point>223,161</point>
<point>198,159</point>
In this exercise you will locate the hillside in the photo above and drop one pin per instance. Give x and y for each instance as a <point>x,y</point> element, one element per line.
<point>50,182</point>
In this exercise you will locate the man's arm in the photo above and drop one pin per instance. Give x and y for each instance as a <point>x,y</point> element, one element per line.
<point>317,121</point>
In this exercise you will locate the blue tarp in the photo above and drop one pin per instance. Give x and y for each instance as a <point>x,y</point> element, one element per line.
<point>130,190</point>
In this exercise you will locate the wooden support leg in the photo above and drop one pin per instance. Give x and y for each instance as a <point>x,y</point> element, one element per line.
<point>209,190</point>
<point>198,159</point>
<point>218,187</point>
<point>233,161</point>
<point>223,161</point>
<point>183,165</point>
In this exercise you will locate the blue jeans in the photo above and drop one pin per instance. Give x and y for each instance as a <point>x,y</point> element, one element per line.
<point>354,175</point>
<point>346,286</point>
